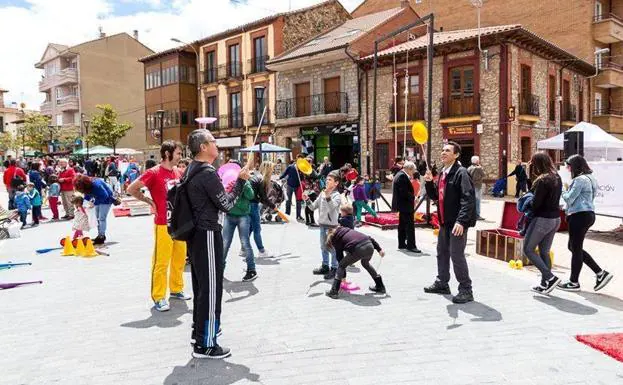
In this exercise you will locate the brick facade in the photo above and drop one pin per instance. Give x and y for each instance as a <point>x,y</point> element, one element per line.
<point>299,27</point>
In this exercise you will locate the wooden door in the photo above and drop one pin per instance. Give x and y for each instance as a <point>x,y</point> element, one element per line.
<point>461,101</point>
<point>302,99</point>
<point>332,98</point>
<point>413,102</point>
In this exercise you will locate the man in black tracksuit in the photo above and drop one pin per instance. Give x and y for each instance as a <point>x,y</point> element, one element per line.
<point>208,199</point>
<point>456,203</point>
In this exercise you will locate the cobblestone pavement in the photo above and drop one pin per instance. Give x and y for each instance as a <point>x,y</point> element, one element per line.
<point>91,321</point>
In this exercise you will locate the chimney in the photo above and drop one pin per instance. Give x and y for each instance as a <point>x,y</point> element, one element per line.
<point>404,3</point>
<point>135,34</point>
<point>102,33</point>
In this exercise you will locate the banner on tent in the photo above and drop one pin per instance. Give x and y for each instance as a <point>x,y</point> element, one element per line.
<point>610,186</point>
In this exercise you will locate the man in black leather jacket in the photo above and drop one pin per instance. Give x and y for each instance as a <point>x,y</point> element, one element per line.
<point>455,195</point>
<point>208,199</point>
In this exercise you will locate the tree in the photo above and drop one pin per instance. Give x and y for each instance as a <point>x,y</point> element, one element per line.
<point>8,142</point>
<point>35,131</point>
<point>105,130</point>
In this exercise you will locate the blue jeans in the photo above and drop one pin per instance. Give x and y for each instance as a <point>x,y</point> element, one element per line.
<point>101,211</point>
<point>244,225</point>
<point>325,250</point>
<point>256,226</point>
<point>478,193</point>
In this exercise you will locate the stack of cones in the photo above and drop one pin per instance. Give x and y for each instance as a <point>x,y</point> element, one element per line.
<point>84,248</point>
<point>88,249</point>
<point>68,248</point>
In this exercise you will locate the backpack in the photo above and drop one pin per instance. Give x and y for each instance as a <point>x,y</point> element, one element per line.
<point>17,181</point>
<point>180,219</point>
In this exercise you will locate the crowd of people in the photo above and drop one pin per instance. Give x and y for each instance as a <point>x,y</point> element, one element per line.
<point>333,200</point>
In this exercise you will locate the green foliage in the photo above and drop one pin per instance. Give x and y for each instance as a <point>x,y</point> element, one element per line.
<point>104,128</point>
<point>35,132</point>
<point>8,141</point>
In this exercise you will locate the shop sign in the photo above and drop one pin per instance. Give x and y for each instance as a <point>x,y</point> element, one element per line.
<point>342,129</point>
<point>461,130</point>
<point>235,141</point>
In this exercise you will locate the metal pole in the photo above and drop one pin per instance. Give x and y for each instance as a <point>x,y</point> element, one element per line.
<point>429,124</point>
<point>376,58</point>
<point>161,129</point>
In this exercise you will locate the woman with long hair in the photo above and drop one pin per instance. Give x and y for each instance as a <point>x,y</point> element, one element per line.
<point>101,195</point>
<point>545,221</point>
<point>261,183</point>
<point>580,217</point>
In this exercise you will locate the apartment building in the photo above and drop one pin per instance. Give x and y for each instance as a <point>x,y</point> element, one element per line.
<point>10,116</point>
<point>497,106</point>
<point>580,27</point>
<point>236,86</point>
<point>171,86</point>
<point>103,71</point>
<point>318,88</point>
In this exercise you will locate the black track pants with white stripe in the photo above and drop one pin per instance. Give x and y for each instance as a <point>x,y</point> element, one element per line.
<point>206,257</point>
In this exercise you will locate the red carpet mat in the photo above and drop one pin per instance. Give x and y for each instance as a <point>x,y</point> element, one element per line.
<point>610,344</point>
<point>124,212</point>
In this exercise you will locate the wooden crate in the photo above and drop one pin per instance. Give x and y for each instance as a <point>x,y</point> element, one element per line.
<point>500,244</point>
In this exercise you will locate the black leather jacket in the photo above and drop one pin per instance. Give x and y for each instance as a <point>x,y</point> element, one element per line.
<point>257,182</point>
<point>459,203</point>
<point>208,196</point>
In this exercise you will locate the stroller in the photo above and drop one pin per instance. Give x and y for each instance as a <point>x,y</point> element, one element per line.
<point>498,188</point>
<point>276,196</point>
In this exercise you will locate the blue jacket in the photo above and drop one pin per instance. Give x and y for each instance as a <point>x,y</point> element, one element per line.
<point>35,198</point>
<point>22,201</point>
<point>291,173</point>
<point>101,194</point>
<point>581,194</point>
<point>54,190</point>
<point>524,206</point>
<point>36,179</point>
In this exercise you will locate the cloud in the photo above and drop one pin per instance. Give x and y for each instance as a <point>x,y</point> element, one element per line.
<point>27,30</point>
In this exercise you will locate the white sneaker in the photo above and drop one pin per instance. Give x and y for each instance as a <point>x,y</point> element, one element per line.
<point>242,253</point>
<point>263,254</point>
<point>162,305</point>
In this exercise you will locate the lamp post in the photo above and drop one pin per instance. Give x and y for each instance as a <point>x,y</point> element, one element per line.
<point>196,69</point>
<point>51,144</point>
<point>86,124</point>
<point>160,114</point>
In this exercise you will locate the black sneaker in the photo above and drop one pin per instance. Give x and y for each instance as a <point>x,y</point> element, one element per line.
<point>324,269</point>
<point>551,284</point>
<point>603,280</point>
<point>539,289</point>
<point>193,338</point>
<point>249,276</point>
<point>414,250</point>
<point>330,274</point>
<point>463,297</point>
<point>437,288</point>
<point>569,286</point>
<point>214,353</point>
<point>99,240</point>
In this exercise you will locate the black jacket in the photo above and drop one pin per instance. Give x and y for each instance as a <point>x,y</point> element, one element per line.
<point>345,239</point>
<point>546,202</point>
<point>403,198</point>
<point>257,182</point>
<point>459,203</point>
<point>520,173</point>
<point>208,196</point>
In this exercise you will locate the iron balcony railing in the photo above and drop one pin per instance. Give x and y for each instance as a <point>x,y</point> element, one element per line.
<point>528,104</point>
<point>552,110</point>
<point>319,104</point>
<point>463,105</point>
<point>227,121</point>
<point>415,110</point>
<point>606,110</point>
<point>256,116</point>
<point>258,64</point>
<point>606,16</point>
<point>232,70</point>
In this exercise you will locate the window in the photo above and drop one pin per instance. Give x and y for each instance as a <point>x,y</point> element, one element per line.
<point>175,75</point>
<point>59,119</point>
<point>211,105</point>
<point>192,75</point>
<point>157,82</point>
<point>462,99</point>
<point>235,110</point>
<point>414,85</point>
<point>382,156</point>
<point>552,98</point>
<point>598,105</point>
<point>259,55</point>
<point>183,74</point>
<point>210,67</point>
<point>234,60</point>
<point>260,103</point>
<point>598,11</point>
<point>177,117</point>
<point>184,118</point>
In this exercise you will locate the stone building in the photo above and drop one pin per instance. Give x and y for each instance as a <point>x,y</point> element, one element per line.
<point>496,105</point>
<point>317,109</point>
<point>235,85</point>
<point>580,27</point>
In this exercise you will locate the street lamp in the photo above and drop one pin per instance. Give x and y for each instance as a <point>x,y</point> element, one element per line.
<point>160,114</point>
<point>51,145</point>
<point>86,124</point>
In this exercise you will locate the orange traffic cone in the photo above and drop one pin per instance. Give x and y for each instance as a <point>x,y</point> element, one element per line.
<point>80,250</point>
<point>89,250</point>
<point>68,248</point>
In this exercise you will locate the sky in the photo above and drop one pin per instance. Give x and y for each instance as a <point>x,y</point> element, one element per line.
<point>27,26</point>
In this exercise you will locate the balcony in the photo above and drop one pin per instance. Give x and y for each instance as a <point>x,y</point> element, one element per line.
<point>68,103</point>
<point>255,117</point>
<point>608,28</point>
<point>332,104</point>
<point>529,107</point>
<point>415,110</point>
<point>610,75</point>
<point>46,108</point>
<point>609,119</point>
<point>227,122</point>
<point>569,115</point>
<point>460,109</point>
<point>222,73</point>
<point>258,64</point>
<point>67,76</point>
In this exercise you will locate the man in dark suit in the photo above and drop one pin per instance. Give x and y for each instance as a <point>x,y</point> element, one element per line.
<point>403,201</point>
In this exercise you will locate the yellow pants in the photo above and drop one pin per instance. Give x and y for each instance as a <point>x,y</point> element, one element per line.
<point>167,252</point>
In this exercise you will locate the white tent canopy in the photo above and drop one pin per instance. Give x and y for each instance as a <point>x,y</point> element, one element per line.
<point>598,144</point>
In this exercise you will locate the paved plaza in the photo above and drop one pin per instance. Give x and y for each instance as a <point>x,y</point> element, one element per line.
<point>91,321</point>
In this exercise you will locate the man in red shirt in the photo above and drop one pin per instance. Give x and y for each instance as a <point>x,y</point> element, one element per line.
<point>66,180</point>
<point>168,253</point>
<point>11,172</point>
